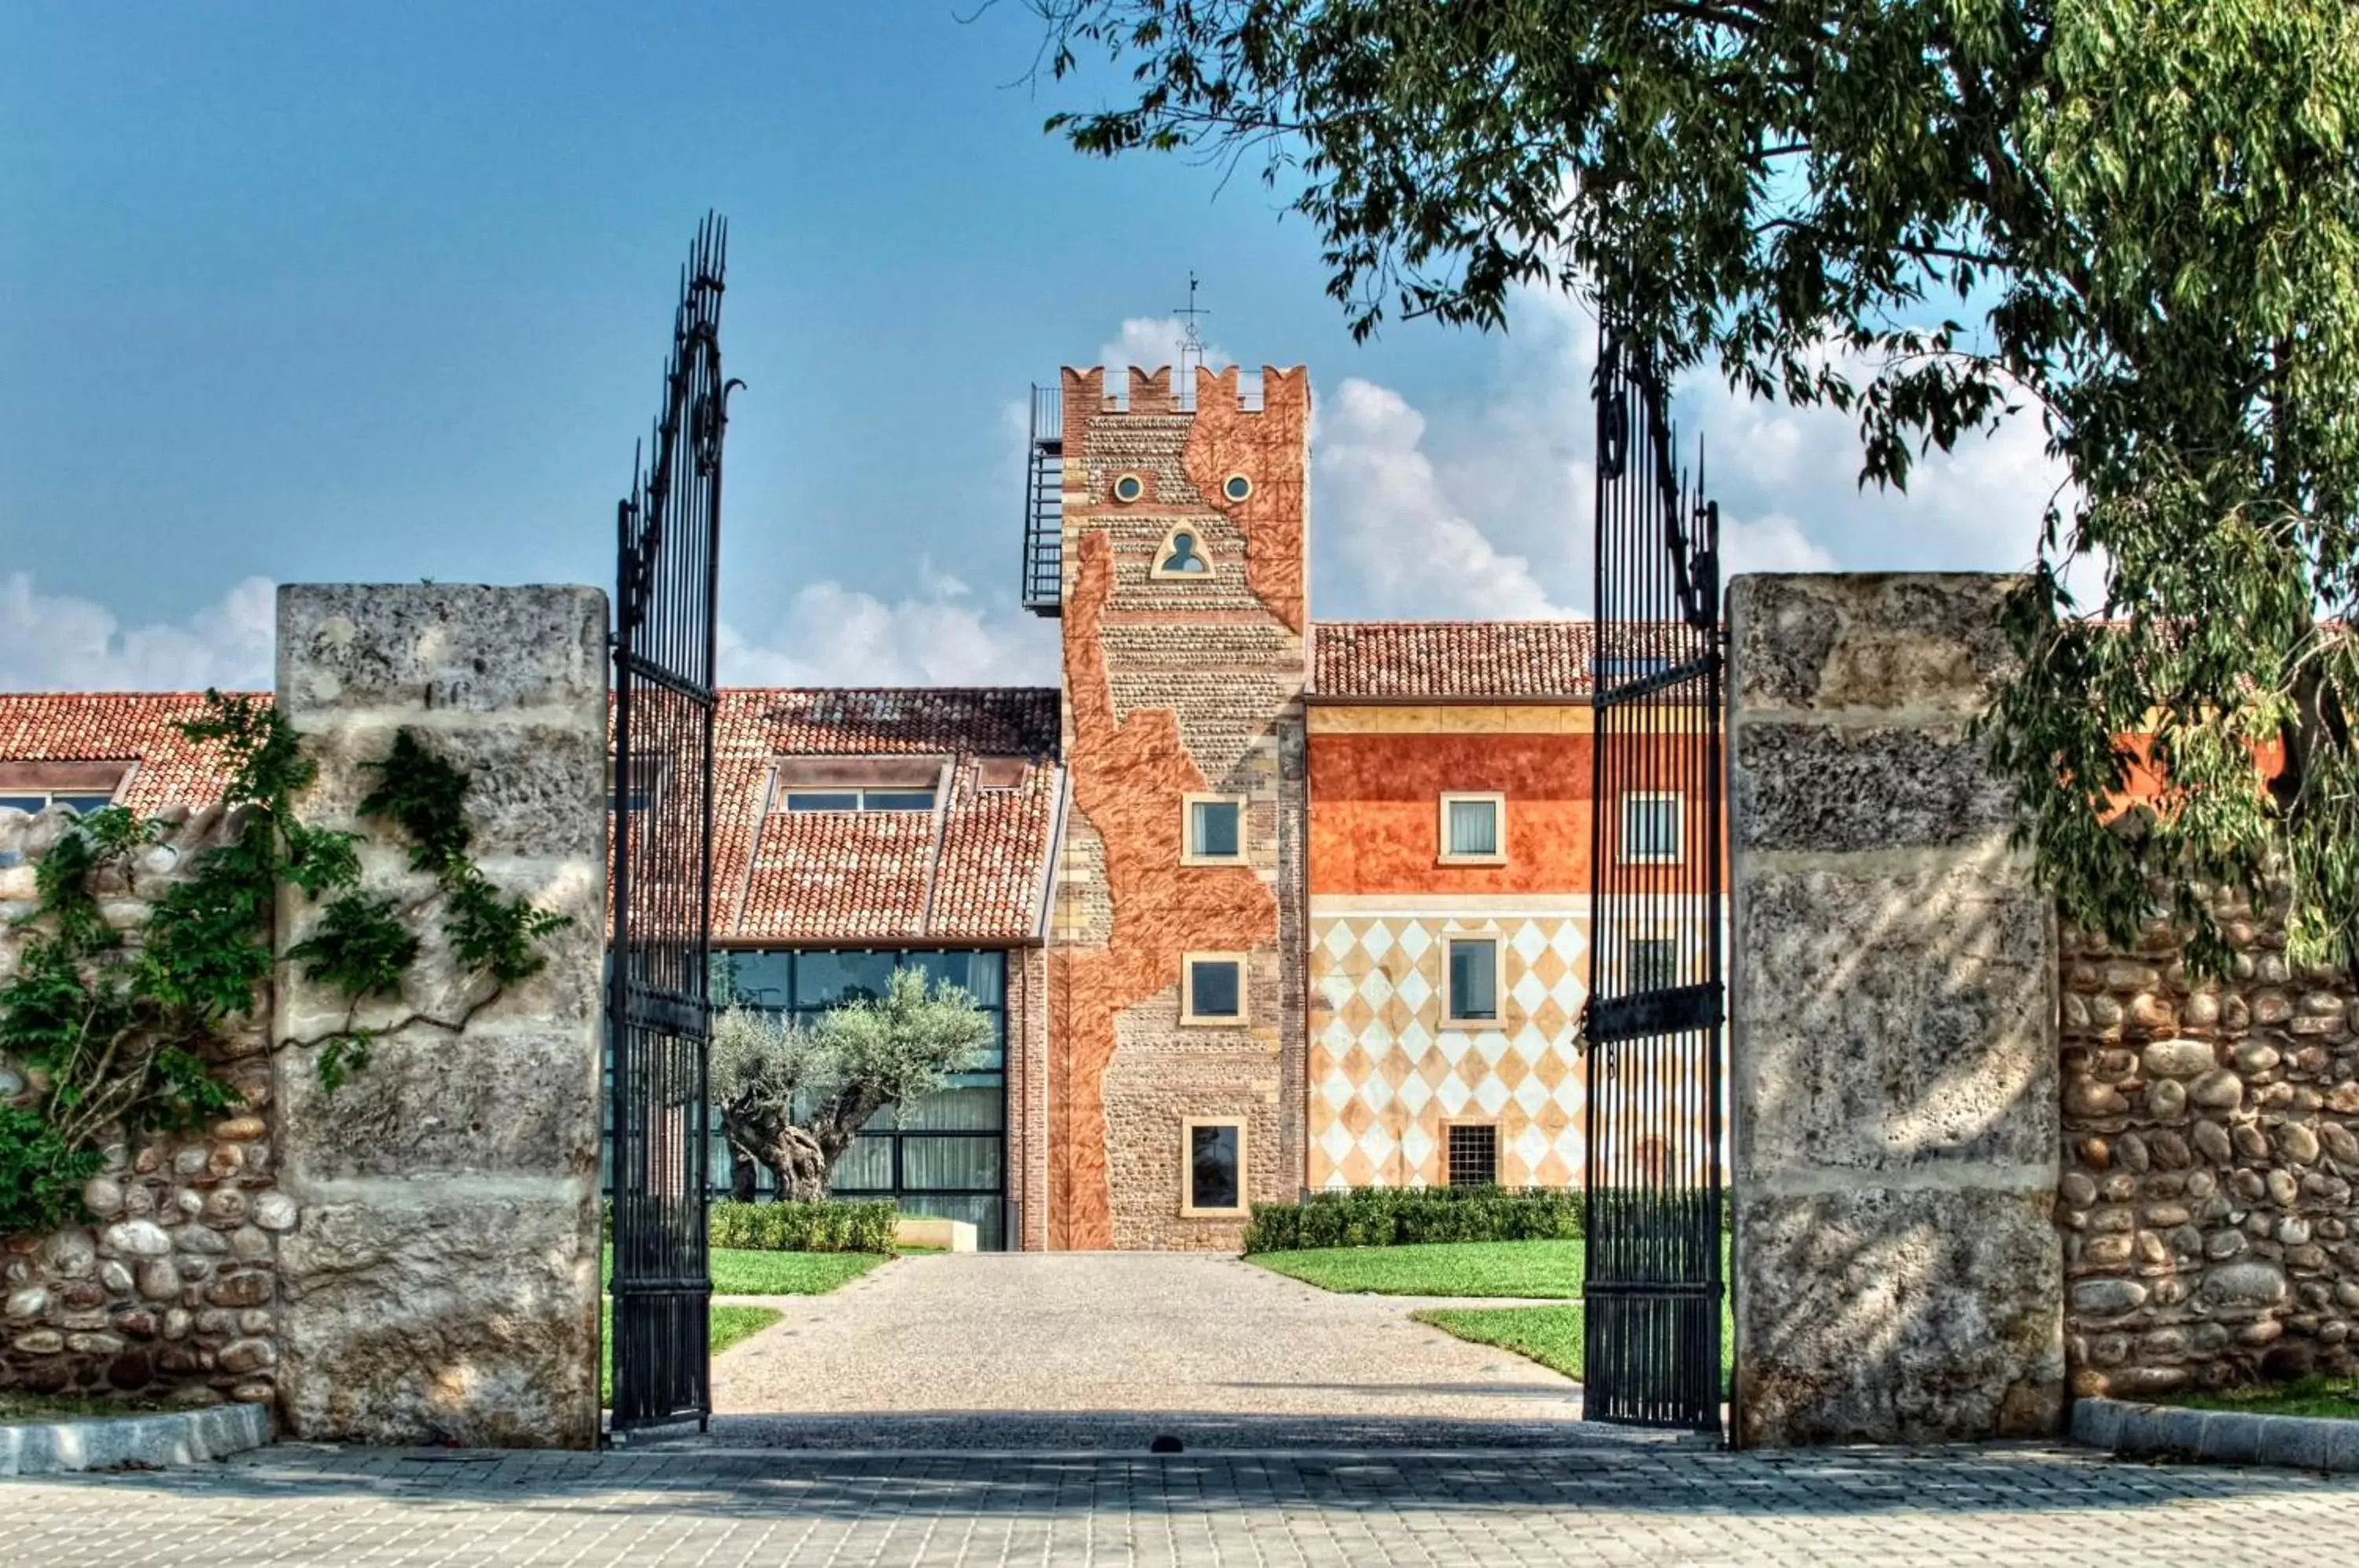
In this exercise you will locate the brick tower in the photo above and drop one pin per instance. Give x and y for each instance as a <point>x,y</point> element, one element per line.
<point>1175,978</point>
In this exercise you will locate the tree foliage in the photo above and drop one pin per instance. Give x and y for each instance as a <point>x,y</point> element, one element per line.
<point>793,1097</point>
<point>2135,220</point>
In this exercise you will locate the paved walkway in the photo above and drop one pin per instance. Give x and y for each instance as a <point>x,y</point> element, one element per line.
<point>1108,1350</point>
<point>1599,1501</point>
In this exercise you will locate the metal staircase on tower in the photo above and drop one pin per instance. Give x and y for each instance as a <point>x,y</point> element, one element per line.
<point>1044,505</point>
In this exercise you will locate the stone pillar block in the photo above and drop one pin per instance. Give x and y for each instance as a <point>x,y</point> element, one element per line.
<point>1892,1051</point>
<point>442,1282</point>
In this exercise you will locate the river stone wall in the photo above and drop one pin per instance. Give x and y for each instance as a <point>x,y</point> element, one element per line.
<point>170,1289</point>
<point>1893,1071</point>
<point>2211,1139</point>
<point>443,1285</point>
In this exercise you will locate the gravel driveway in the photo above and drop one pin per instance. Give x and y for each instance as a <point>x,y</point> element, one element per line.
<point>1110,1349</point>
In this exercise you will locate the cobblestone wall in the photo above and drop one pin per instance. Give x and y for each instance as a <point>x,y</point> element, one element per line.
<point>170,1289</point>
<point>2210,1135</point>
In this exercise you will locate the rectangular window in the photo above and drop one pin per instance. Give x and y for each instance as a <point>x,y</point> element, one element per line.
<point>1213,988</point>
<point>1215,829</point>
<point>1215,1174</point>
<point>1473,1154</point>
<point>860,799</point>
<point>1654,830</point>
<point>80,805</point>
<point>1474,979</point>
<point>1471,828</point>
<point>1654,964</point>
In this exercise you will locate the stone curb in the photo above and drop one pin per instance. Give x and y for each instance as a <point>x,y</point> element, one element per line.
<point>148,1441</point>
<point>2135,1430</point>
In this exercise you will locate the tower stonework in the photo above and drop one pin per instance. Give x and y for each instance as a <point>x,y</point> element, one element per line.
<point>1184,613</point>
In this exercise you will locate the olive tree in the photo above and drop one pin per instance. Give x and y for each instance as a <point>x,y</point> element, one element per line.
<point>791,1097</point>
<point>2136,221</point>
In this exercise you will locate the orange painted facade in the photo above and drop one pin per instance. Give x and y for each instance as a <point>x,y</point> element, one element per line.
<point>1376,811</point>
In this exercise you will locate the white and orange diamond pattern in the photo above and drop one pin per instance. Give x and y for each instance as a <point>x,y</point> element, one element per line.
<point>1389,1074</point>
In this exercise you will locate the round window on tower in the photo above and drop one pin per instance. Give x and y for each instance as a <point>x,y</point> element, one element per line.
<point>1236,486</point>
<point>1129,488</point>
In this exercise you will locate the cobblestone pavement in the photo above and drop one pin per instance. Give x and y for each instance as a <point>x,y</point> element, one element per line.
<point>1092,1349</point>
<point>1602,1502</point>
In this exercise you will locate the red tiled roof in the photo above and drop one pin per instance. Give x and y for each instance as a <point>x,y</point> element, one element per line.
<point>117,726</point>
<point>973,871</point>
<point>1381,659</point>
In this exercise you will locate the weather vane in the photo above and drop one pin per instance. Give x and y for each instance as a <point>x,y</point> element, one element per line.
<point>1192,339</point>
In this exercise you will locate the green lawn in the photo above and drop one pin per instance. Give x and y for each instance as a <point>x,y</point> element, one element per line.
<point>1550,1336</point>
<point>744,1273</point>
<point>727,1326</point>
<point>2335,1397</point>
<point>1549,1269</point>
<point>737,1272</point>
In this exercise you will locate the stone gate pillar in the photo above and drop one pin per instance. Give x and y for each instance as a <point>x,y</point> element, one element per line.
<point>1893,1057</point>
<point>442,1283</point>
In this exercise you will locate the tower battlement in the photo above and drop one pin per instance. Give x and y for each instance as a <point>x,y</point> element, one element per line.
<point>1164,391</point>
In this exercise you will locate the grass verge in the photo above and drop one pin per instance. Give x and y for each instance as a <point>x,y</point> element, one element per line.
<point>2337,1398</point>
<point>1550,1336</point>
<point>16,1405</point>
<point>1541,1269</point>
<point>727,1326</point>
<point>737,1272</point>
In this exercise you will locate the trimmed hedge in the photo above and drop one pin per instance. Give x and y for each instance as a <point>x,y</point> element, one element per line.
<point>1403,1216</point>
<point>789,1227</point>
<point>804,1227</point>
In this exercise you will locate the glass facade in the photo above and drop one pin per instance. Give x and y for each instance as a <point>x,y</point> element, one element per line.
<point>945,1155</point>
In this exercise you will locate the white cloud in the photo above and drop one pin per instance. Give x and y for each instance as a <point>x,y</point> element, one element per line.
<point>56,642</point>
<point>1151,342</point>
<point>1481,506</point>
<point>1402,543</point>
<point>829,635</point>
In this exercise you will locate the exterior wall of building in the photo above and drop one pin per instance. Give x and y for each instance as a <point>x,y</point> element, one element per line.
<point>1387,1073</point>
<point>1176,686</point>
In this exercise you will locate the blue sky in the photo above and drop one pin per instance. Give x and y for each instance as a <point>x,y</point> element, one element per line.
<point>331,292</point>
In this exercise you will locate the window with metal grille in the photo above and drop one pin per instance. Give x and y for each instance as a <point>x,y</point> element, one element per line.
<point>1473,1155</point>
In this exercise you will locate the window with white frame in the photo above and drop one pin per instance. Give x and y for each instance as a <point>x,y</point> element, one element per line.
<point>1473,828</point>
<point>1212,1155</point>
<point>1654,830</point>
<point>1473,976</point>
<point>1213,988</point>
<point>79,786</point>
<point>1216,830</point>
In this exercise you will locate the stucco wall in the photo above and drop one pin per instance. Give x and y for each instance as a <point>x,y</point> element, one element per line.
<point>1893,1078</point>
<point>1172,688</point>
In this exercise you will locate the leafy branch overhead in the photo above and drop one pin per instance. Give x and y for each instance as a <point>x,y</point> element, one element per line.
<point>2137,220</point>
<point>117,1035</point>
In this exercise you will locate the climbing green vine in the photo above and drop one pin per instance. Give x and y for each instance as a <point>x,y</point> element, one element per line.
<point>114,1034</point>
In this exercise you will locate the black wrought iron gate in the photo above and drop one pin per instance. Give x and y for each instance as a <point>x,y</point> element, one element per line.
<point>1653,1285</point>
<point>657,1008</point>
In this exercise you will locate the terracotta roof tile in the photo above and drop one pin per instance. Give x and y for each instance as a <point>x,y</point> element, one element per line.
<point>1381,659</point>
<point>110,726</point>
<point>971,871</point>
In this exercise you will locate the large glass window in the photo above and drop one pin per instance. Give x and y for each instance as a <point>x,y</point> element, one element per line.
<point>943,1155</point>
<point>80,803</point>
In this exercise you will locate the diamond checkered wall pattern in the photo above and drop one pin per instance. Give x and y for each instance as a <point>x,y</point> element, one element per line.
<point>1388,1073</point>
